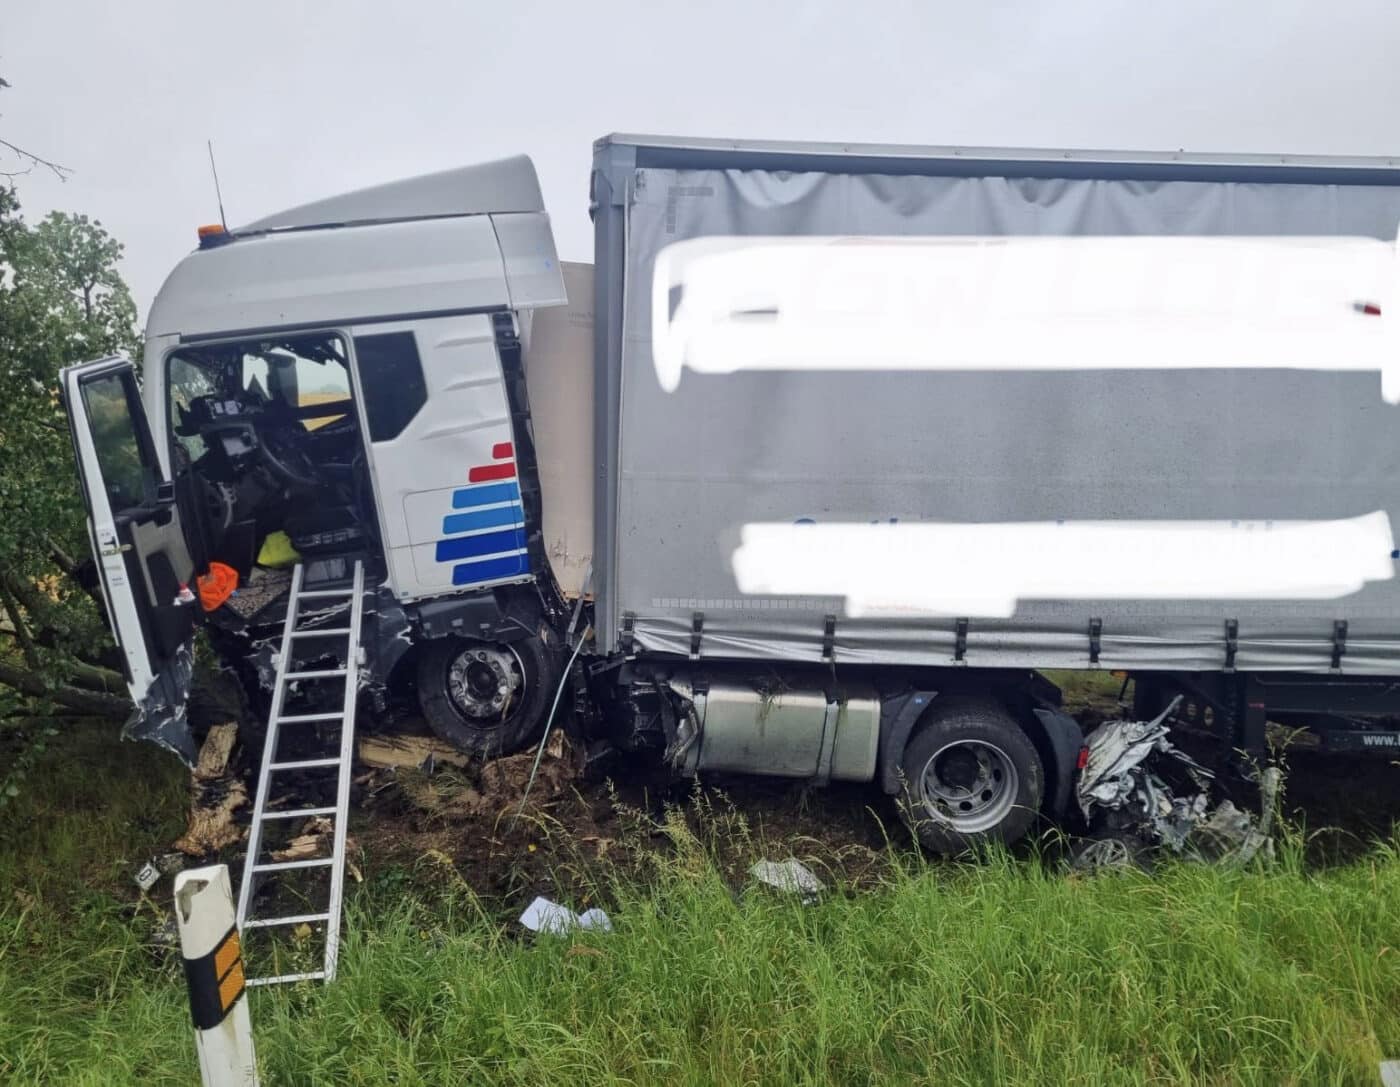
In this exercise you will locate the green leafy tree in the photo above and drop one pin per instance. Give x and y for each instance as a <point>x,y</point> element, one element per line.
<point>61,301</point>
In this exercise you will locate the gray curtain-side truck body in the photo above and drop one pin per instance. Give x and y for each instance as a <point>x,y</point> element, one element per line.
<point>408,376</point>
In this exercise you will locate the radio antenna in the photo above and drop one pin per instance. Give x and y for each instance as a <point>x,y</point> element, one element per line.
<point>218,195</point>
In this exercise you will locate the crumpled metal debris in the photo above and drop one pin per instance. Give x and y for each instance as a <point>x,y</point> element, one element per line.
<point>1237,838</point>
<point>1104,853</point>
<point>1125,774</point>
<point>542,915</point>
<point>790,875</point>
<point>160,717</point>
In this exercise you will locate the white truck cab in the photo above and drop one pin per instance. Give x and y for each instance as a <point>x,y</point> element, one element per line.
<point>346,374</point>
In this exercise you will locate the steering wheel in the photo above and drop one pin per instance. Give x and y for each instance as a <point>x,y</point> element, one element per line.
<point>286,458</point>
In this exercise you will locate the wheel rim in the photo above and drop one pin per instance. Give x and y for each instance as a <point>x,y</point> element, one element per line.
<point>1105,853</point>
<point>486,683</point>
<point>970,785</point>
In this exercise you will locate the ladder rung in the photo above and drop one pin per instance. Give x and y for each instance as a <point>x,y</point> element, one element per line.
<point>304,764</point>
<point>323,594</point>
<point>307,718</point>
<point>282,979</point>
<point>283,866</point>
<point>323,673</point>
<point>298,813</point>
<point>272,922</point>
<point>321,632</point>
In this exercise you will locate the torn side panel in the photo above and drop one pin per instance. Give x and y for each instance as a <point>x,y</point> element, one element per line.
<point>160,714</point>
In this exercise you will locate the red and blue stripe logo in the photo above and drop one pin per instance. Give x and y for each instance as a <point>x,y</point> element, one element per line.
<point>488,531</point>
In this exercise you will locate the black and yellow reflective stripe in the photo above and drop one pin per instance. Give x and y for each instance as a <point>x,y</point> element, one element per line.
<point>227,955</point>
<point>215,981</point>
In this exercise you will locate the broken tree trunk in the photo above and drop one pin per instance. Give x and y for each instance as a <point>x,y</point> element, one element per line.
<point>313,841</point>
<point>215,794</point>
<point>407,751</point>
<point>73,698</point>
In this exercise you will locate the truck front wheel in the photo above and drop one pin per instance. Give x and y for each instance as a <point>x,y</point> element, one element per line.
<point>487,698</point>
<point>969,776</point>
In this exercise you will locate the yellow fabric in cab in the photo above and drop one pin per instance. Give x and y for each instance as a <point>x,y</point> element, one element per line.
<point>277,551</point>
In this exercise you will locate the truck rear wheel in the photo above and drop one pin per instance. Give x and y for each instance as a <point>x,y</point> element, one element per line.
<point>970,775</point>
<point>487,698</point>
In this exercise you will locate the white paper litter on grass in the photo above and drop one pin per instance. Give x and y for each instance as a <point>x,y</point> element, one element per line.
<point>790,875</point>
<point>542,915</point>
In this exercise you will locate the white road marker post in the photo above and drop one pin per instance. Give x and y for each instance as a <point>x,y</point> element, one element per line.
<point>214,971</point>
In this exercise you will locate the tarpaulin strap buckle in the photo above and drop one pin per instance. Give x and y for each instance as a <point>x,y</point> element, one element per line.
<point>1232,643</point>
<point>627,639</point>
<point>960,640</point>
<point>697,626</point>
<point>1095,639</point>
<point>1339,643</point>
<point>829,640</point>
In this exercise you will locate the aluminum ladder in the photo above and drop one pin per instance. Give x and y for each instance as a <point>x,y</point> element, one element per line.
<point>297,631</point>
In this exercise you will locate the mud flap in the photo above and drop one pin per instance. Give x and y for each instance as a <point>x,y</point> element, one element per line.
<point>1064,740</point>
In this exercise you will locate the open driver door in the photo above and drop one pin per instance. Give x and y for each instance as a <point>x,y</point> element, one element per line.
<point>138,545</point>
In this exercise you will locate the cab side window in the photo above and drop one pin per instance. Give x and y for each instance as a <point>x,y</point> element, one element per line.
<point>188,382</point>
<point>127,472</point>
<point>318,379</point>
<point>391,377</point>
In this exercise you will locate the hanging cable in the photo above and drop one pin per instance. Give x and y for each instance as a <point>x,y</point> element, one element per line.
<point>549,721</point>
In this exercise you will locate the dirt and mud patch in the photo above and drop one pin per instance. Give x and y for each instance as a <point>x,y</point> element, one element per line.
<point>429,815</point>
<point>581,830</point>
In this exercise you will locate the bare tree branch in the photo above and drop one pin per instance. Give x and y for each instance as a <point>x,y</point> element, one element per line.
<point>60,172</point>
<point>19,629</point>
<point>104,705</point>
<point>26,594</point>
<point>81,673</point>
<point>61,558</point>
<point>43,635</point>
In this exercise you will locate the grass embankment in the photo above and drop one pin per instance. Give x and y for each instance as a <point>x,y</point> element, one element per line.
<point>1005,971</point>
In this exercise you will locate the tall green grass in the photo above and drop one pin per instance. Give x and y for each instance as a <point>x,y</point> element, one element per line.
<point>1002,971</point>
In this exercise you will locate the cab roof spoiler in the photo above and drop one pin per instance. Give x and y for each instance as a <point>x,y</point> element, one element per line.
<point>500,187</point>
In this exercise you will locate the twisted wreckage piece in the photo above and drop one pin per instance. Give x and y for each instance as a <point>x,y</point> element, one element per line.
<point>1122,783</point>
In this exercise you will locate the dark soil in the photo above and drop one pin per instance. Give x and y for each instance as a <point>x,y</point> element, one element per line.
<point>583,829</point>
<point>580,831</point>
<point>1342,803</point>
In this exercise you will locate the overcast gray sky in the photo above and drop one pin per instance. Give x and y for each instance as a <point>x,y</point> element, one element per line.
<point>305,100</point>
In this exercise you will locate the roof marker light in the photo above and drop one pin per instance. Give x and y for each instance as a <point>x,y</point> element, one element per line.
<point>213,234</point>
